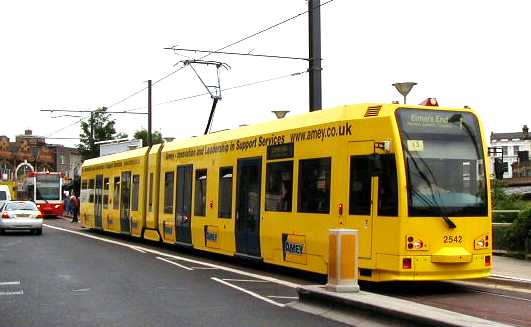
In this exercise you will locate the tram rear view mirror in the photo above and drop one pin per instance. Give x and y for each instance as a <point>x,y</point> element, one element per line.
<point>375,165</point>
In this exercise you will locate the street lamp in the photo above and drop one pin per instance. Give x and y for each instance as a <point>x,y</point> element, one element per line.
<point>404,88</point>
<point>280,113</point>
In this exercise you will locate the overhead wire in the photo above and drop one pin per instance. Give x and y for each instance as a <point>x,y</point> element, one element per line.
<point>246,38</point>
<point>273,26</point>
<point>202,57</point>
<point>227,89</point>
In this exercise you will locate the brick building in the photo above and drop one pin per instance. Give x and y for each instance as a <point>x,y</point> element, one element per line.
<point>42,156</point>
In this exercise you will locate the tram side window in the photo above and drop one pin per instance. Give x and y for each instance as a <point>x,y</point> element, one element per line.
<point>314,185</point>
<point>360,186</point>
<point>279,186</point>
<point>136,189</point>
<point>200,192</point>
<point>84,186</point>
<point>150,195</point>
<point>106,193</point>
<point>388,187</point>
<point>225,192</point>
<point>91,190</point>
<point>168,192</point>
<point>116,193</point>
<point>183,198</point>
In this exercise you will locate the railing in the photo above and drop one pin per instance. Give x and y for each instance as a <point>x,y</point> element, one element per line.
<point>499,231</point>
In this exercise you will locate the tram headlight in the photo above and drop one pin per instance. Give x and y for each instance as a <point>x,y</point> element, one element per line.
<point>415,244</point>
<point>481,242</point>
<point>418,244</point>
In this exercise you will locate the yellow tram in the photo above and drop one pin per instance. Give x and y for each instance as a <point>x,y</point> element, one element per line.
<point>411,179</point>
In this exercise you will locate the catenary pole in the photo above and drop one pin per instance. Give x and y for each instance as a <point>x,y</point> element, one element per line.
<point>149,139</point>
<point>314,35</point>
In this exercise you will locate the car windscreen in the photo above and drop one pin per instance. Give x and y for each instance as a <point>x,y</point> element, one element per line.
<point>48,187</point>
<point>20,206</point>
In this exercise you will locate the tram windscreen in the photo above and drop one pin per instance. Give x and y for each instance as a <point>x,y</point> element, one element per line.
<point>48,188</point>
<point>444,162</point>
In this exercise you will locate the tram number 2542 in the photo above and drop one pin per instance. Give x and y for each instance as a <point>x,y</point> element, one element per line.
<point>452,239</point>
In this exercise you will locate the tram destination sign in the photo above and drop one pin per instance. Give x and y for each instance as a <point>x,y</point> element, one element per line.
<point>434,122</point>
<point>280,151</point>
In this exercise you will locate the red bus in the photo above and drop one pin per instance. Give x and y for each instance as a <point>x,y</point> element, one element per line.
<point>46,190</point>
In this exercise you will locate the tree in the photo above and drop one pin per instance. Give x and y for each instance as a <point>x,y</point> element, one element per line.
<point>99,127</point>
<point>142,134</point>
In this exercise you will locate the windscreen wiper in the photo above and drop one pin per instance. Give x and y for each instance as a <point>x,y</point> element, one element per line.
<point>449,222</point>
<point>459,118</point>
<point>433,204</point>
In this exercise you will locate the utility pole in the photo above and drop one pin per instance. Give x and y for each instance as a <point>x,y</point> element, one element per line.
<point>91,120</point>
<point>314,35</point>
<point>149,139</point>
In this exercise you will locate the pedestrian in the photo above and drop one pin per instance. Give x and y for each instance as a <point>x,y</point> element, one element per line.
<point>71,205</point>
<point>75,207</point>
<point>65,203</point>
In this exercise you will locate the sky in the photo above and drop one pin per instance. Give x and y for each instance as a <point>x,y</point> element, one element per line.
<point>81,55</point>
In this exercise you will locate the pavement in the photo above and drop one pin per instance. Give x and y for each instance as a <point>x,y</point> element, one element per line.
<point>512,269</point>
<point>509,273</point>
<point>385,310</point>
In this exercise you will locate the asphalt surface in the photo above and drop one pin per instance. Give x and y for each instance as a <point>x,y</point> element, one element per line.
<point>63,279</point>
<point>68,279</point>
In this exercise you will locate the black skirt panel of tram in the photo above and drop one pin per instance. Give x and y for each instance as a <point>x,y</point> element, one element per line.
<point>98,201</point>
<point>248,206</point>
<point>125,203</point>
<point>183,212</point>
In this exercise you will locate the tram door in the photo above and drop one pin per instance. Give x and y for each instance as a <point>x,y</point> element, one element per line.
<point>248,206</point>
<point>360,194</point>
<point>125,202</point>
<point>183,212</point>
<point>98,201</point>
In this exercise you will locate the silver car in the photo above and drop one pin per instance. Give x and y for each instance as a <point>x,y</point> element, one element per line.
<point>20,215</point>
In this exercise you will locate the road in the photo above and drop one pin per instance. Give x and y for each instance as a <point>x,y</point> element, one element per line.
<point>76,277</point>
<point>63,279</point>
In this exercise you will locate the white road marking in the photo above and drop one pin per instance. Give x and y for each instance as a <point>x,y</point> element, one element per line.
<point>204,268</point>
<point>133,247</point>
<point>197,262</point>
<point>10,283</point>
<point>512,278</point>
<point>12,293</point>
<point>258,296</point>
<point>138,249</point>
<point>81,290</point>
<point>245,280</point>
<point>282,297</point>
<point>174,263</point>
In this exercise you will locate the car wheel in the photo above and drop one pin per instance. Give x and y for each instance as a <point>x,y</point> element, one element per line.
<point>1,232</point>
<point>38,231</point>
